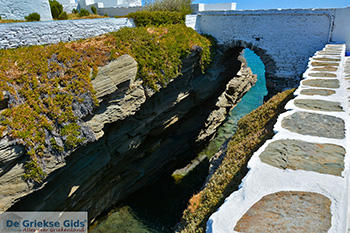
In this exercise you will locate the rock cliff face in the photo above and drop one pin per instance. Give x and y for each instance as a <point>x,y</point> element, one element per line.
<point>134,135</point>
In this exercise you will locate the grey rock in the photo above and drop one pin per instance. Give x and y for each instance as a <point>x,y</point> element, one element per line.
<point>300,155</point>
<point>9,153</point>
<point>315,125</point>
<point>326,83</point>
<point>318,105</point>
<point>118,108</point>
<point>121,70</point>
<point>4,102</point>
<point>322,92</point>
<point>290,211</point>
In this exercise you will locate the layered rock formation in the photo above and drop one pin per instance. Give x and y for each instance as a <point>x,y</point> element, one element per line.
<point>133,136</point>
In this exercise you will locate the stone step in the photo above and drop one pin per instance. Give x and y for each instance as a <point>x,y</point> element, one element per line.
<point>297,181</point>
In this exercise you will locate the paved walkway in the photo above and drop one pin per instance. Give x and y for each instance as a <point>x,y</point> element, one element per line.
<point>298,181</point>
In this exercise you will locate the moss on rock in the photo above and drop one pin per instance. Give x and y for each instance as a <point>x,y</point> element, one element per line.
<point>43,82</point>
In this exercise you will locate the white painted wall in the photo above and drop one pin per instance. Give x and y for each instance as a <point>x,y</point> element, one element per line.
<point>288,37</point>
<point>341,31</point>
<point>217,6</point>
<point>68,5</point>
<point>18,9</point>
<point>200,7</point>
<point>14,35</point>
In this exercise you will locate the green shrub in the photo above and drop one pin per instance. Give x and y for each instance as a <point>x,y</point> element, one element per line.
<point>75,11</point>
<point>56,8</point>
<point>94,10</point>
<point>63,16</point>
<point>83,12</point>
<point>0,17</point>
<point>157,18</point>
<point>106,15</point>
<point>183,6</point>
<point>33,17</point>
<point>252,131</point>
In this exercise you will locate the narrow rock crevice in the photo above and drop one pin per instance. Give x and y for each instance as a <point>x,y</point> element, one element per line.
<point>139,134</point>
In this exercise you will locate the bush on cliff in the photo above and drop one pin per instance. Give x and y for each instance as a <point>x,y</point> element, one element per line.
<point>43,82</point>
<point>253,130</point>
<point>94,10</point>
<point>157,18</point>
<point>63,16</point>
<point>83,12</point>
<point>56,8</point>
<point>183,6</point>
<point>33,17</point>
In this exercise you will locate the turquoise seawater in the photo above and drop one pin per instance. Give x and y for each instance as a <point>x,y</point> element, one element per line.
<point>158,208</point>
<point>252,100</point>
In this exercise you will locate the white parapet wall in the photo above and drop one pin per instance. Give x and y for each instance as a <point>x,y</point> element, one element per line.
<point>18,9</point>
<point>14,35</point>
<point>341,30</point>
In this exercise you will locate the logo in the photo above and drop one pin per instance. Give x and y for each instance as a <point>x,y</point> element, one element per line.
<point>43,222</point>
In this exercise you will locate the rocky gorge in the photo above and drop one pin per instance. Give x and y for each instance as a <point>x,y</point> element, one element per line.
<point>134,135</point>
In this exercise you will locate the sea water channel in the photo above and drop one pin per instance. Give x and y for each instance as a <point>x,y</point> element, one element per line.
<point>158,207</point>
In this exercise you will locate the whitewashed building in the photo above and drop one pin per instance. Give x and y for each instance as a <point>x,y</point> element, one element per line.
<point>111,7</point>
<point>18,9</point>
<point>68,5</point>
<point>110,3</point>
<point>199,7</point>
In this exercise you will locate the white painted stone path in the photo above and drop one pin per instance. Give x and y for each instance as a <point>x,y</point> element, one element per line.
<point>264,179</point>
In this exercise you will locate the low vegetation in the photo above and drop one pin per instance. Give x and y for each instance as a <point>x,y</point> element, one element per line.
<point>56,9</point>
<point>83,12</point>
<point>42,82</point>
<point>32,17</point>
<point>63,16</point>
<point>253,130</point>
<point>87,16</point>
<point>94,10</point>
<point>157,18</point>
<point>10,21</point>
<point>183,6</point>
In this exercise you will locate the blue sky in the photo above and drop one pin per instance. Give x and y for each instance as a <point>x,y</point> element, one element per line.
<point>272,4</point>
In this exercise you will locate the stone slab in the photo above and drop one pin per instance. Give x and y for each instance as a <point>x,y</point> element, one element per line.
<point>292,212</point>
<point>315,125</point>
<point>326,83</point>
<point>300,155</point>
<point>331,53</point>
<point>322,92</point>
<point>327,68</point>
<point>323,75</point>
<point>318,105</point>
<point>324,64</point>
<point>327,59</point>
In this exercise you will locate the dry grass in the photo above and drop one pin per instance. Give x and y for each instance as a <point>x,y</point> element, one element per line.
<point>11,21</point>
<point>76,16</point>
